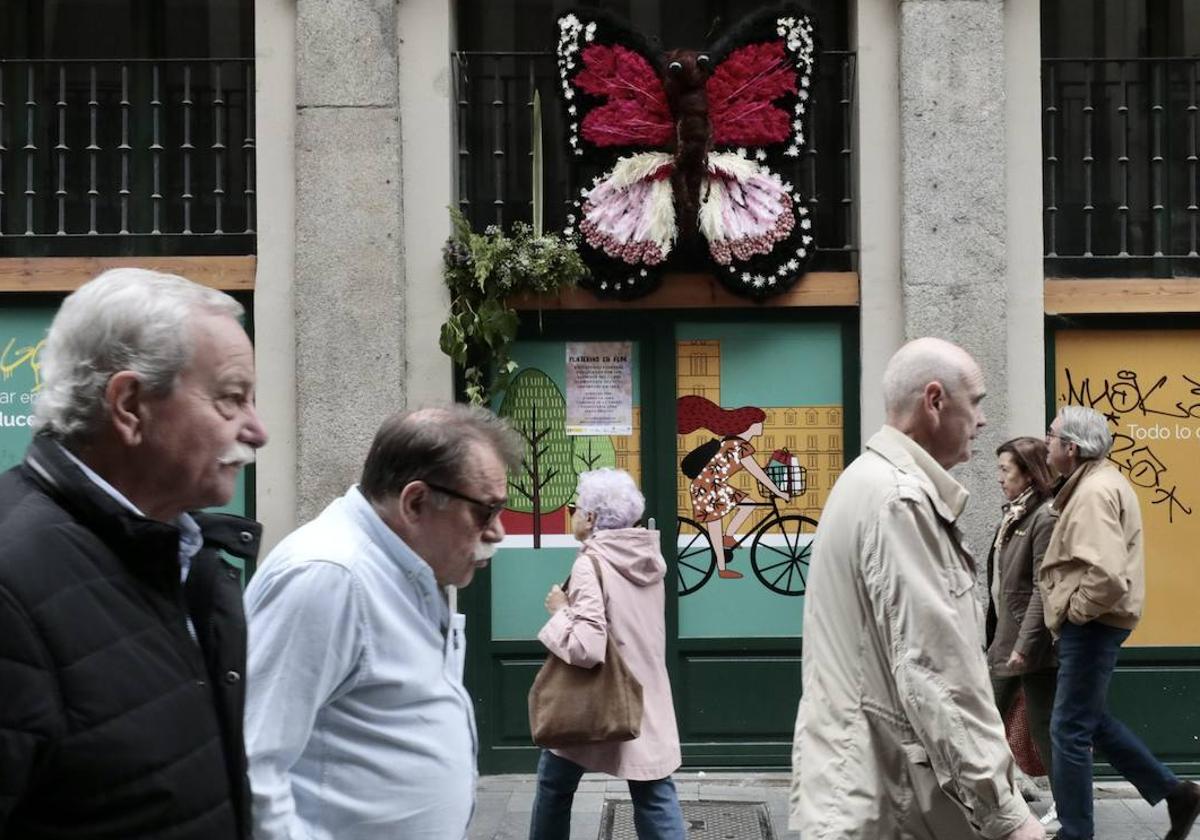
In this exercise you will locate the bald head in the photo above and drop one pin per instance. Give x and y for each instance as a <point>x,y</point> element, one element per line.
<point>933,391</point>
<point>915,365</point>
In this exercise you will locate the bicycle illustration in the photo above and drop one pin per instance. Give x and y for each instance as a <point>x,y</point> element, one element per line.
<point>780,546</point>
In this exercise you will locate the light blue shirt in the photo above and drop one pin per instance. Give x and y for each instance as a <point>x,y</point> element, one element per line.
<point>358,726</point>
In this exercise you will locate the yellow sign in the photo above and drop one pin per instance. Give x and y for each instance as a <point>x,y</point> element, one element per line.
<point>1147,382</point>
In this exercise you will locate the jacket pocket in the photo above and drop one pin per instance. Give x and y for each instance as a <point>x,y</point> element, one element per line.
<point>959,581</point>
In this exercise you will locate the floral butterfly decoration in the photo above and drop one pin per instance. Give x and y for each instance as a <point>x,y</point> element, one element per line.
<point>692,134</point>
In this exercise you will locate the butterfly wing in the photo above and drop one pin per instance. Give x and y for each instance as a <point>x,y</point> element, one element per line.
<point>627,225</point>
<point>610,85</point>
<point>758,92</point>
<point>758,233</point>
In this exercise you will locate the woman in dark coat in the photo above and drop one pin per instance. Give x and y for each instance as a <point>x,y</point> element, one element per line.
<point>1019,653</point>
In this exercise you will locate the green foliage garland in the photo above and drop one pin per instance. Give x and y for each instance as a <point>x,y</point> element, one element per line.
<point>482,270</point>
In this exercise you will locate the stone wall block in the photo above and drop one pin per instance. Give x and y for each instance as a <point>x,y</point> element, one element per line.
<point>954,255</point>
<point>346,53</point>
<point>348,292</point>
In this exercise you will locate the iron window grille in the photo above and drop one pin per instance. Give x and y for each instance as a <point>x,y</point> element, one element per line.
<point>148,156</point>
<point>1120,154</point>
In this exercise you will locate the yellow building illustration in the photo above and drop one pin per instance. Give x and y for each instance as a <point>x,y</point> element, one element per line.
<point>812,434</point>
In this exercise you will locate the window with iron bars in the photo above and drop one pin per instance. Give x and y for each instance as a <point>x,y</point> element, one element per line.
<point>126,127</point>
<point>1120,144</point>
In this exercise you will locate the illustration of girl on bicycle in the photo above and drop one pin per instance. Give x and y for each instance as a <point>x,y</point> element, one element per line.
<point>711,466</point>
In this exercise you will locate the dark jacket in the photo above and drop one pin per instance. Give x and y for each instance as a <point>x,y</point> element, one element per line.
<point>1017,621</point>
<point>114,723</point>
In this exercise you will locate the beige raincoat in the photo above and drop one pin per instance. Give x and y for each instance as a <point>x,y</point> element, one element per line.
<point>897,736</point>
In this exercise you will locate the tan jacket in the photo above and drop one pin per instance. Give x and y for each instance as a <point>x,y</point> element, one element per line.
<point>897,736</point>
<point>1016,621</point>
<point>633,570</point>
<point>1094,569</point>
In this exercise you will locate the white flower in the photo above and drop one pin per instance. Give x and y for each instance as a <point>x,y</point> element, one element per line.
<point>579,151</point>
<point>788,21</point>
<point>782,270</point>
<point>741,152</point>
<point>802,252</point>
<point>758,281</point>
<point>801,109</point>
<point>792,265</point>
<point>792,151</point>
<point>603,284</point>
<point>806,223</point>
<point>745,276</point>
<point>571,110</point>
<point>573,140</point>
<point>794,45</point>
<point>571,218</point>
<point>780,30</point>
<point>568,93</point>
<point>803,211</point>
<point>807,240</point>
<point>770,281</point>
<point>761,154</point>
<point>803,94</point>
<point>798,124</point>
<point>642,272</point>
<point>804,81</point>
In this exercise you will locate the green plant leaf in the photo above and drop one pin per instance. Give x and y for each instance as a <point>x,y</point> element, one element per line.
<point>536,145</point>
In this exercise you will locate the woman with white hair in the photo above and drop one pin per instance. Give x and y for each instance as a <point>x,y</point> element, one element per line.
<point>630,606</point>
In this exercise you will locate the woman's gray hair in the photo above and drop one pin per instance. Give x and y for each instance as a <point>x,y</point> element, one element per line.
<point>124,319</point>
<point>612,496</point>
<point>1087,429</point>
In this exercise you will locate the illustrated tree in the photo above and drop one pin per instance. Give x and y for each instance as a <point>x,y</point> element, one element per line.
<point>591,452</point>
<point>535,407</point>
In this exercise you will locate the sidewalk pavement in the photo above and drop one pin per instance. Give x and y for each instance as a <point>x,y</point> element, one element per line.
<point>504,803</point>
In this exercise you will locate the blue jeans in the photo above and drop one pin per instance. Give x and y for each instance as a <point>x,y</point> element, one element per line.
<point>1087,655</point>
<point>656,814</point>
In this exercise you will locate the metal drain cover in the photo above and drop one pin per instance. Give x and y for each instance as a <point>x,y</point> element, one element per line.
<point>704,821</point>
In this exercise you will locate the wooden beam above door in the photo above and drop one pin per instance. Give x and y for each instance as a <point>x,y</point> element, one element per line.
<point>701,291</point>
<point>65,274</point>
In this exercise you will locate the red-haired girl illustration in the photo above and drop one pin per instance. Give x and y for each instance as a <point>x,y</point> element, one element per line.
<point>713,497</point>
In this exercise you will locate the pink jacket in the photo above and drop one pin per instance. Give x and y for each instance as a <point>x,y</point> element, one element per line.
<point>633,570</point>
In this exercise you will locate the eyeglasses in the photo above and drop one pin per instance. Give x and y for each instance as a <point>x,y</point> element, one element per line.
<point>1050,434</point>
<point>491,509</point>
<point>571,508</point>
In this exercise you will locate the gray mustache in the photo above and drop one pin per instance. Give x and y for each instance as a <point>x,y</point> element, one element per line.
<point>237,455</point>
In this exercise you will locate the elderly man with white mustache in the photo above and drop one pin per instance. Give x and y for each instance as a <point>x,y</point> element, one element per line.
<point>122,638</point>
<point>358,724</point>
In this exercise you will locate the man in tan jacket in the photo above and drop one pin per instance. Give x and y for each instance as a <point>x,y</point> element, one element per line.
<point>1093,583</point>
<point>898,734</point>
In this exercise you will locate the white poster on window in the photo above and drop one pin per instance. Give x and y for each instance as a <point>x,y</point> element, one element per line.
<point>599,388</point>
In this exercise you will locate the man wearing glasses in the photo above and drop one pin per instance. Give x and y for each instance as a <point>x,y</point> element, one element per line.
<point>1093,586</point>
<point>357,721</point>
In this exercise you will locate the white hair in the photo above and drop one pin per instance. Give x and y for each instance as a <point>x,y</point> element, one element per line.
<point>1087,429</point>
<point>124,319</point>
<point>915,365</point>
<point>612,496</point>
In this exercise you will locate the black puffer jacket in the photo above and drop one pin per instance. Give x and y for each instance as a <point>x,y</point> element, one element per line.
<point>114,723</point>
